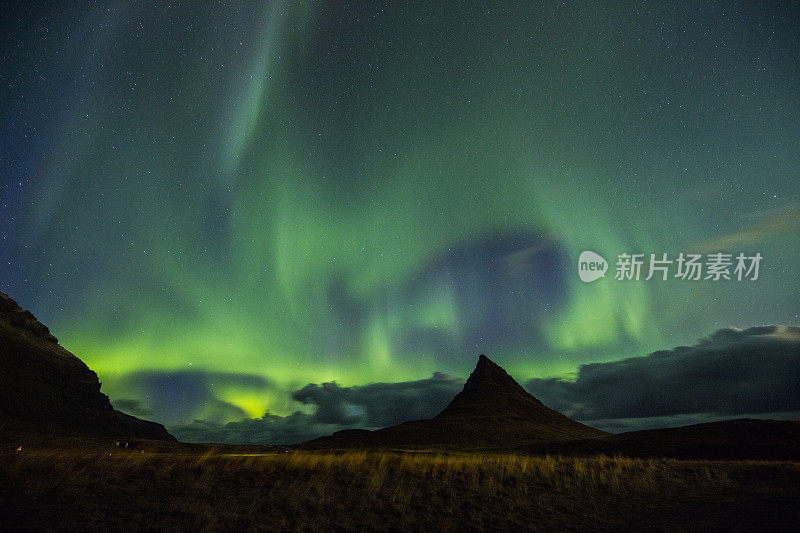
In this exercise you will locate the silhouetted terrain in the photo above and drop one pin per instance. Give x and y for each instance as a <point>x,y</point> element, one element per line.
<point>46,389</point>
<point>494,458</point>
<point>730,439</point>
<point>492,411</point>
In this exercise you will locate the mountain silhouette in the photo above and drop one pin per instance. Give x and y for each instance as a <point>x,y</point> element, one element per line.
<point>491,392</point>
<point>46,389</point>
<point>492,410</point>
<point>740,439</point>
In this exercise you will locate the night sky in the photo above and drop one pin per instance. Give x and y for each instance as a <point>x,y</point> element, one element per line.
<point>325,213</point>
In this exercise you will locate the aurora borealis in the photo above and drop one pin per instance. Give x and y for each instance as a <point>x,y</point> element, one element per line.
<point>219,206</point>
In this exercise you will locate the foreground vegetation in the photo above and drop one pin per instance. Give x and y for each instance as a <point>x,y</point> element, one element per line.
<point>137,490</point>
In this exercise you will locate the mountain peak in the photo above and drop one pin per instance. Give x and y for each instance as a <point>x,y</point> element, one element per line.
<point>491,410</point>
<point>488,375</point>
<point>490,391</point>
<point>488,371</point>
<point>484,361</point>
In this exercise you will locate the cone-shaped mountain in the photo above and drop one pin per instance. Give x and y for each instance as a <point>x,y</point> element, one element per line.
<point>492,410</point>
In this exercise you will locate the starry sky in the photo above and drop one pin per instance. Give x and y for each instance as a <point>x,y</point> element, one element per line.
<point>287,213</point>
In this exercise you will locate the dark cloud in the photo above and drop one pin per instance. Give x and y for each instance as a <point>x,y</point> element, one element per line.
<point>270,429</point>
<point>731,373</point>
<point>380,404</point>
<point>368,406</point>
<point>501,286</point>
<point>492,290</point>
<point>132,407</point>
<point>179,397</point>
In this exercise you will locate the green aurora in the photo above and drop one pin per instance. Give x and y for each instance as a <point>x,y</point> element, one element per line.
<point>300,192</point>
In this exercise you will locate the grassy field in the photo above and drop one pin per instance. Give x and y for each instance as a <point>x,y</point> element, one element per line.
<point>314,491</point>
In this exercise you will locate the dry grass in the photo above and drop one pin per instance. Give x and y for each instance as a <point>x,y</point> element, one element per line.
<point>307,491</point>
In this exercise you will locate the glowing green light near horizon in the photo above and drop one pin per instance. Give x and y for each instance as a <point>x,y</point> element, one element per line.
<point>269,203</point>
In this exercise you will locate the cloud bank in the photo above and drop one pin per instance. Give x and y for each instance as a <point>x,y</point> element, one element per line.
<point>175,397</point>
<point>369,406</point>
<point>732,373</point>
